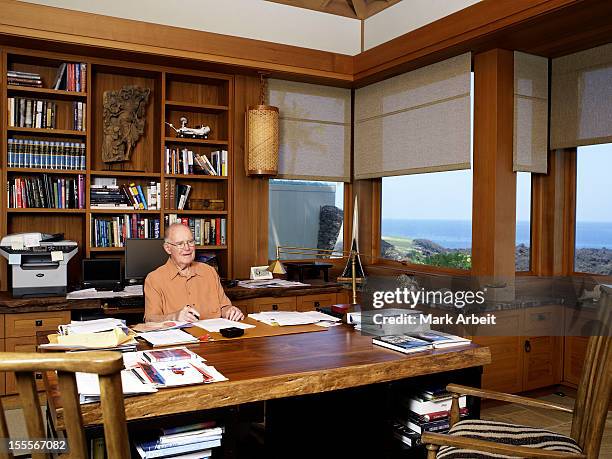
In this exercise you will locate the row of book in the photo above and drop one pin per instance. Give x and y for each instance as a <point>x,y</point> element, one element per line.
<point>144,197</point>
<point>206,231</point>
<point>42,114</point>
<point>71,77</point>
<point>46,192</point>
<point>191,441</point>
<point>29,79</point>
<point>185,161</point>
<point>176,196</point>
<point>43,154</point>
<point>425,411</point>
<point>113,231</point>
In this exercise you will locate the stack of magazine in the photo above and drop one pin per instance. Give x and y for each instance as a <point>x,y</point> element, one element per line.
<point>194,441</point>
<point>420,341</point>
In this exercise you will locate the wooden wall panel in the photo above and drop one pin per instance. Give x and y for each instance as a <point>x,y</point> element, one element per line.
<point>494,195</point>
<point>250,207</point>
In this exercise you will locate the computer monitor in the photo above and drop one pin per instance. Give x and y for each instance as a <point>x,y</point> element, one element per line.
<point>102,273</point>
<point>143,256</point>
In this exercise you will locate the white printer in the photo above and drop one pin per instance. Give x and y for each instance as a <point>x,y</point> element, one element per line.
<point>38,262</point>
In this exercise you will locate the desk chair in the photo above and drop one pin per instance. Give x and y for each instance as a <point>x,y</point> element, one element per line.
<point>476,438</point>
<point>107,365</point>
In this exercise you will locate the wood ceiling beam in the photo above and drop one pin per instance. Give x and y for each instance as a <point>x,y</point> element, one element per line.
<point>360,8</point>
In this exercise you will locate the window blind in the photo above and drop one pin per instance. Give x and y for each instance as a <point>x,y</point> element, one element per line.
<point>315,130</point>
<point>415,122</point>
<point>530,113</point>
<point>581,98</point>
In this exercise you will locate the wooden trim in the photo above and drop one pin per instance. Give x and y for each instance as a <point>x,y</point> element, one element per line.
<point>471,29</point>
<point>31,21</point>
<point>383,263</point>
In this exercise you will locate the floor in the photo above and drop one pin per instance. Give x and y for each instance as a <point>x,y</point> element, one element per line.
<point>557,421</point>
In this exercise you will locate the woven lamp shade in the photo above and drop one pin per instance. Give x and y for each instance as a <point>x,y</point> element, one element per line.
<point>261,140</point>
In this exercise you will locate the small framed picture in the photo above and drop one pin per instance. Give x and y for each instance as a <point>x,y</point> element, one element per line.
<point>260,272</point>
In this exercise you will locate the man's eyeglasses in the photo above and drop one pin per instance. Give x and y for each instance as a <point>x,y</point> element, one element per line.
<point>182,244</point>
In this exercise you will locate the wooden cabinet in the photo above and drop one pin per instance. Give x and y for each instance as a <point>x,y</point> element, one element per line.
<point>20,331</point>
<point>575,352</point>
<point>312,302</point>
<point>273,304</point>
<point>529,361</point>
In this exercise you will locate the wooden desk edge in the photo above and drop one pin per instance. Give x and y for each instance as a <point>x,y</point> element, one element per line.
<point>217,395</point>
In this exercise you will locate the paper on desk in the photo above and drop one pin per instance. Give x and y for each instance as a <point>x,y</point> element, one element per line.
<point>106,339</point>
<point>168,337</point>
<point>271,283</point>
<point>283,318</point>
<point>320,316</point>
<point>90,293</point>
<point>158,326</point>
<point>88,384</point>
<point>214,325</point>
<point>91,326</point>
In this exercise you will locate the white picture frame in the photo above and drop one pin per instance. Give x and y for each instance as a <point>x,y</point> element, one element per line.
<point>260,272</point>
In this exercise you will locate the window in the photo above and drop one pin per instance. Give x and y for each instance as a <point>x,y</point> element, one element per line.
<point>523,221</point>
<point>305,214</point>
<point>593,240</point>
<point>427,219</point>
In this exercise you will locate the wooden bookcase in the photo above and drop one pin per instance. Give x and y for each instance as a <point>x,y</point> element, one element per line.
<point>202,97</point>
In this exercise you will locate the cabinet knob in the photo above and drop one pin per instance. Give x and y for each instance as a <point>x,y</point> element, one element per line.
<point>39,323</point>
<point>527,345</point>
<point>38,375</point>
<point>275,307</point>
<point>317,304</point>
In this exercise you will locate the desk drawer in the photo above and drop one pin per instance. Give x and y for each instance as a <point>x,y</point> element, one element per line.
<point>272,304</point>
<point>543,321</point>
<point>24,344</point>
<point>27,324</point>
<point>312,302</point>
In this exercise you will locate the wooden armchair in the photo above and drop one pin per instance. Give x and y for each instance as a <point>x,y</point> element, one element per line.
<point>107,365</point>
<point>475,439</point>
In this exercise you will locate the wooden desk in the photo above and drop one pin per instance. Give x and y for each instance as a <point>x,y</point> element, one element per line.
<point>284,366</point>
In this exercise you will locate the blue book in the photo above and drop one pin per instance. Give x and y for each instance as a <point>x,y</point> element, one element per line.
<point>142,197</point>
<point>402,343</point>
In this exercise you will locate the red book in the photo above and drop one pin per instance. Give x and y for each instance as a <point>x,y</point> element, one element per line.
<point>217,231</point>
<point>441,415</point>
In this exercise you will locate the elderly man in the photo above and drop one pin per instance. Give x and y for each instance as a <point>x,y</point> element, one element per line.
<point>183,289</point>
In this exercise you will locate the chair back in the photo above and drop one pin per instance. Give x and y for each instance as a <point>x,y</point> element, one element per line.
<point>593,399</point>
<point>107,365</point>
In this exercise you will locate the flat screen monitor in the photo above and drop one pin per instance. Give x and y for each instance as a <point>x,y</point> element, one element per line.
<point>101,272</point>
<point>143,256</point>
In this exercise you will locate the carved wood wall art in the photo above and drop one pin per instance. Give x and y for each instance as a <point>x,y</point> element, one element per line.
<point>124,121</point>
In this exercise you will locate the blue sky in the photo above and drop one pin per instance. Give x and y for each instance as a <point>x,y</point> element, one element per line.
<point>594,183</point>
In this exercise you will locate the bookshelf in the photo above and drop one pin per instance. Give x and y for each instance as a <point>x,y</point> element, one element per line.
<point>202,97</point>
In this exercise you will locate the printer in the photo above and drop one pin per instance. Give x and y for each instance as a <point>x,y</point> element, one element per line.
<point>39,263</point>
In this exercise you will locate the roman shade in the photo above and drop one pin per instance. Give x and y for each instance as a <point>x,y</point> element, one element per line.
<point>581,105</point>
<point>315,130</point>
<point>530,113</point>
<point>415,122</point>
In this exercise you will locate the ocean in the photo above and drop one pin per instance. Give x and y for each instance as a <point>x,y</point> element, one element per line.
<point>457,234</point>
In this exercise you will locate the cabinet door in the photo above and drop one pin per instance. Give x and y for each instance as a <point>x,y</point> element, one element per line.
<point>575,352</point>
<point>312,302</point>
<point>505,372</point>
<point>542,361</point>
<point>23,344</point>
<point>27,324</point>
<point>273,304</point>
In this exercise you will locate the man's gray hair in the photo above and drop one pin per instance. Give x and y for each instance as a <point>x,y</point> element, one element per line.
<point>168,230</point>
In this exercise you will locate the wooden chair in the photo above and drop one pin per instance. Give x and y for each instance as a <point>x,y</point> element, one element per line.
<point>588,421</point>
<point>107,365</point>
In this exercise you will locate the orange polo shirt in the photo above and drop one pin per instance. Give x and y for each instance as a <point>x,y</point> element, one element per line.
<point>166,291</point>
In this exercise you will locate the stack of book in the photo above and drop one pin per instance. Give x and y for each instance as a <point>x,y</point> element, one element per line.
<point>113,231</point>
<point>32,113</point>
<point>43,154</point>
<point>206,231</point>
<point>108,197</point>
<point>194,441</point>
<point>71,77</point>
<point>426,411</point>
<point>46,192</point>
<point>420,341</point>
<point>17,78</point>
<point>176,196</point>
<point>185,161</point>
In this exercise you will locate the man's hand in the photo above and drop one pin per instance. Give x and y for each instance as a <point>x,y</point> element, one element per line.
<point>232,313</point>
<point>187,314</point>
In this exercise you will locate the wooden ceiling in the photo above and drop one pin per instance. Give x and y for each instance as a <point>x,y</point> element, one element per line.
<point>356,9</point>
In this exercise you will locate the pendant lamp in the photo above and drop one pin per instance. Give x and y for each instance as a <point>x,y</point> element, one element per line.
<point>261,137</point>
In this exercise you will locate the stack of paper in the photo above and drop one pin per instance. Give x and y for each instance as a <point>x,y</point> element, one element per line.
<point>92,334</point>
<point>191,442</point>
<point>214,325</point>
<point>91,326</point>
<point>285,318</point>
<point>88,386</point>
<point>88,293</point>
<point>270,283</point>
<point>158,326</point>
<point>168,337</point>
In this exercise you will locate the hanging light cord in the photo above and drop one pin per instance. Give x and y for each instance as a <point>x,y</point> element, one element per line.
<point>262,89</point>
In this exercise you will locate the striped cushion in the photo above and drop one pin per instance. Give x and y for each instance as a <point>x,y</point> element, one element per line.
<point>509,434</point>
